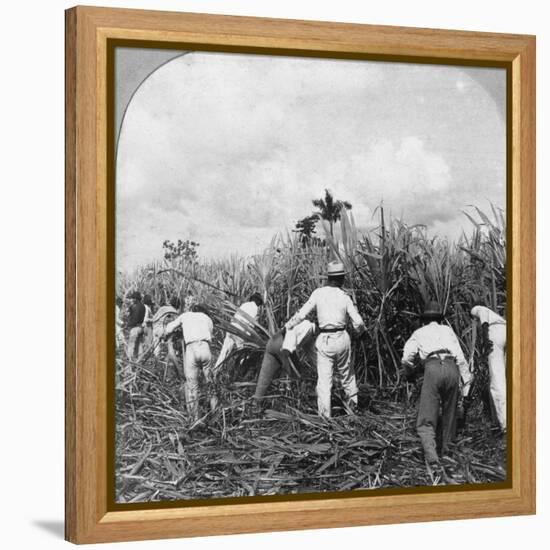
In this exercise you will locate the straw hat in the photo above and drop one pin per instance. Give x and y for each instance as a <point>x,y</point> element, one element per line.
<point>335,269</point>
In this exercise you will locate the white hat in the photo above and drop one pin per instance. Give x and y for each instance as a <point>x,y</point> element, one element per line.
<point>335,269</point>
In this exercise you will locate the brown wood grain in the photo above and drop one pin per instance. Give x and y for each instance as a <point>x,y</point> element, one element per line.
<point>70,274</point>
<point>87,30</point>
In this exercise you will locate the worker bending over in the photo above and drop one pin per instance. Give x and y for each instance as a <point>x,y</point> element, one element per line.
<point>232,341</point>
<point>437,347</point>
<point>279,348</point>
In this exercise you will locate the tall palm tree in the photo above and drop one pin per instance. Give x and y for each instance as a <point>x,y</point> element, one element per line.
<point>329,209</point>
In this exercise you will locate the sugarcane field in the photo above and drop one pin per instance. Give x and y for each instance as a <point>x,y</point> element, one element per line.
<point>310,277</point>
<point>280,444</point>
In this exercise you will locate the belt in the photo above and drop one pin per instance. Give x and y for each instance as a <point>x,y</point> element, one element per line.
<point>440,353</point>
<point>332,330</point>
<point>196,342</point>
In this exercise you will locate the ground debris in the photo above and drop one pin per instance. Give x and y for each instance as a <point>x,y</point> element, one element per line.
<point>284,449</point>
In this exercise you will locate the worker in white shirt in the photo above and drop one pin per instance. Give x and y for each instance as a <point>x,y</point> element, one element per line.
<point>437,347</point>
<point>197,329</point>
<point>496,330</point>
<point>279,348</point>
<point>333,307</point>
<point>250,309</point>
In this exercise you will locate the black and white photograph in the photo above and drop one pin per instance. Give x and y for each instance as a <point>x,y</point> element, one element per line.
<point>310,275</point>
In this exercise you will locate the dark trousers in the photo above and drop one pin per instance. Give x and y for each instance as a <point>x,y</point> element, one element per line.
<point>271,363</point>
<point>439,389</point>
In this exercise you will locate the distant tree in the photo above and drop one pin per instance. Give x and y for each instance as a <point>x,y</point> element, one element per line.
<point>181,252</point>
<point>329,208</point>
<point>306,228</point>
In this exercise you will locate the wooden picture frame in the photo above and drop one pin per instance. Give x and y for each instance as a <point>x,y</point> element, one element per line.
<point>89,515</point>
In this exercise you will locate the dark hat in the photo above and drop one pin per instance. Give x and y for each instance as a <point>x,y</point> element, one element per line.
<point>432,311</point>
<point>256,298</point>
<point>199,308</point>
<point>136,295</point>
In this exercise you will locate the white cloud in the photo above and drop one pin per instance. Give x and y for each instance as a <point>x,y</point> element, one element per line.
<point>229,149</point>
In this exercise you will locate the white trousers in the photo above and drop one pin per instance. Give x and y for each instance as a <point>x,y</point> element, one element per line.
<point>334,352</point>
<point>197,358</point>
<point>147,336</point>
<point>135,343</point>
<point>497,371</point>
<point>120,338</point>
<point>231,341</point>
<point>158,332</point>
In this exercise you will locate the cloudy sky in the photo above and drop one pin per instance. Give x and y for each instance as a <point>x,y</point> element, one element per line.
<point>230,149</point>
